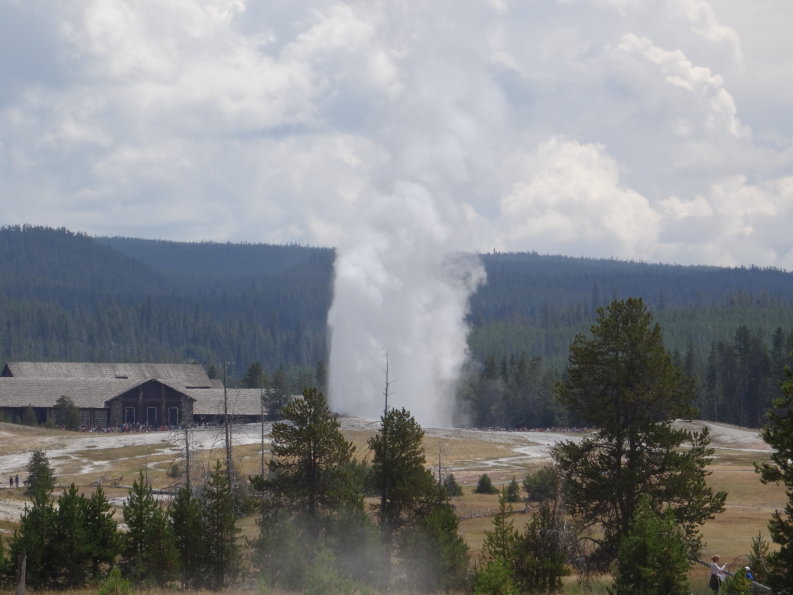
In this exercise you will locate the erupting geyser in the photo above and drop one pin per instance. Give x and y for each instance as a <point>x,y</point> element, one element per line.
<point>400,293</point>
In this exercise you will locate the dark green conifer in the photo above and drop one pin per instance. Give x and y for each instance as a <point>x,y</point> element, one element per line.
<point>622,381</point>
<point>778,432</point>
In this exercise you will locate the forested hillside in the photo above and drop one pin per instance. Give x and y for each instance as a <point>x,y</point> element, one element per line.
<point>68,296</point>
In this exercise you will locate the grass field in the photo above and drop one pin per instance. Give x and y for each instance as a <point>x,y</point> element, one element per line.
<point>466,454</point>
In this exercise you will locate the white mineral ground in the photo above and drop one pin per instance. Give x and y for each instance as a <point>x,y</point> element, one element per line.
<point>529,447</point>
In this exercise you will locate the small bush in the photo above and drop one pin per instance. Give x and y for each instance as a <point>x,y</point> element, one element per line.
<point>451,486</point>
<point>485,486</point>
<point>174,471</point>
<point>29,417</point>
<point>494,577</point>
<point>540,486</point>
<point>737,584</point>
<point>512,492</point>
<point>114,584</point>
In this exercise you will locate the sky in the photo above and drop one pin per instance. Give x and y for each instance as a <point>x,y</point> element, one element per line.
<point>654,130</point>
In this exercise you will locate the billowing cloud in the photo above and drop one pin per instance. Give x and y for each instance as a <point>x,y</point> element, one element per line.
<point>227,120</point>
<point>406,134</point>
<point>572,200</point>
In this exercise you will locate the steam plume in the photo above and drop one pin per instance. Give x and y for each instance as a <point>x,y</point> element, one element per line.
<point>400,293</point>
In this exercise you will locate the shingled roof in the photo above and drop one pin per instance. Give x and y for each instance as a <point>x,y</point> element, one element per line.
<point>177,375</point>
<point>85,393</point>
<point>241,401</point>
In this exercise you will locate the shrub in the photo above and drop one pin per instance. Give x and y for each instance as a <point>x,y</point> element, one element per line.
<point>652,555</point>
<point>512,491</point>
<point>494,577</point>
<point>114,584</point>
<point>485,486</point>
<point>29,417</point>
<point>451,486</point>
<point>540,486</point>
<point>737,584</point>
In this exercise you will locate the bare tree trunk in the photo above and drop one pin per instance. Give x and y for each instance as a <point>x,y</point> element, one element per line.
<point>187,453</point>
<point>226,427</point>
<point>23,563</point>
<point>261,406</point>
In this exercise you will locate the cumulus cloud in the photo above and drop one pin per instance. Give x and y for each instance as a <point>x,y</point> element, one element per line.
<point>278,122</point>
<point>406,134</point>
<point>572,200</point>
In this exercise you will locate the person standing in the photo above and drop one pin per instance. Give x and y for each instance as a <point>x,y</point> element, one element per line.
<point>716,574</point>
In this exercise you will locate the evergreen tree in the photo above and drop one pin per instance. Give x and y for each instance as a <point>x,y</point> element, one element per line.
<point>622,381</point>
<point>494,577</point>
<point>69,560</point>
<point>187,524</point>
<point>66,413</point>
<point>502,542</point>
<point>312,500</point>
<point>220,530</point>
<point>103,539</point>
<point>540,486</point>
<point>754,387</point>
<point>114,584</point>
<point>311,458</point>
<point>778,432</point>
<point>758,558</point>
<point>148,552</point>
<point>540,558</point>
<point>29,417</point>
<point>353,538</point>
<point>652,555</point>
<point>534,560</point>
<point>279,393</point>
<point>512,491</point>
<point>738,584</point>
<point>64,544</point>
<point>41,478</point>
<point>282,547</point>
<point>435,553</point>
<point>406,487</point>
<point>33,540</point>
<point>321,376</point>
<point>485,485</point>
<point>6,567</point>
<point>451,486</point>
<point>255,377</point>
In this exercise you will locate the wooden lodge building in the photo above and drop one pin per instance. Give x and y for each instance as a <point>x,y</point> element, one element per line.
<point>136,395</point>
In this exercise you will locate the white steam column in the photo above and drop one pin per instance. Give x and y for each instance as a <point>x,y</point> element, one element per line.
<point>401,294</point>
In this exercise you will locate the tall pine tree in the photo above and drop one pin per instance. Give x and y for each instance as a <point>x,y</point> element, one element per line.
<point>187,525</point>
<point>622,381</point>
<point>148,552</point>
<point>311,457</point>
<point>778,432</point>
<point>220,530</point>
<point>406,487</point>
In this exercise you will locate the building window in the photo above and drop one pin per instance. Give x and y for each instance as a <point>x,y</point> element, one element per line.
<point>151,416</point>
<point>129,415</point>
<point>173,416</point>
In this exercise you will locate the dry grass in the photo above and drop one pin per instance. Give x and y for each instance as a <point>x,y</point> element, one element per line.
<point>749,503</point>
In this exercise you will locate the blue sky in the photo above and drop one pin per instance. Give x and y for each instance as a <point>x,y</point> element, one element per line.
<point>636,129</point>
